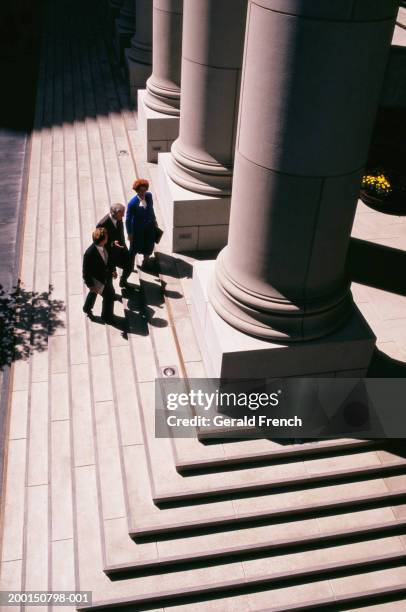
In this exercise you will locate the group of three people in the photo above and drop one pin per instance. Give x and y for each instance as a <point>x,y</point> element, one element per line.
<point>109,250</point>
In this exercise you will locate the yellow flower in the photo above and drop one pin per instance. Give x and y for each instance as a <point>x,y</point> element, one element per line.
<point>376,183</point>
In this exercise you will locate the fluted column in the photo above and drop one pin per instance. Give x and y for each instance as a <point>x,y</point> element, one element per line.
<point>125,27</point>
<point>312,77</point>
<point>163,86</point>
<point>212,46</point>
<point>140,53</point>
<point>114,7</point>
<point>126,19</point>
<point>115,4</point>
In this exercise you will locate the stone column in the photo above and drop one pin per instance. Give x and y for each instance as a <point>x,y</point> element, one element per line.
<point>139,56</point>
<point>199,170</point>
<point>115,5</point>
<point>163,86</point>
<point>313,74</point>
<point>114,9</point>
<point>125,27</point>
<point>159,104</point>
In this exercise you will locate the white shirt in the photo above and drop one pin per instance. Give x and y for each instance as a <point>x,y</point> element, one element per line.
<point>114,220</point>
<point>143,203</point>
<point>104,255</point>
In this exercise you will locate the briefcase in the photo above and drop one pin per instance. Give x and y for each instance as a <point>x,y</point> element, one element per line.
<point>158,233</point>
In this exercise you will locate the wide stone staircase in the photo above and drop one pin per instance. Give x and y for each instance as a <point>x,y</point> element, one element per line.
<point>244,524</point>
<point>225,524</point>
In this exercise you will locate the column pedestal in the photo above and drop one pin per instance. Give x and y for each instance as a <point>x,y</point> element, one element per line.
<point>158,130</point>
<point>194,222</point>
<point>230,353</point>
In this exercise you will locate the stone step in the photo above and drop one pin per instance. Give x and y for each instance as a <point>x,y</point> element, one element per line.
<point>90,561</point>
<point>301,570</point>
<point>178,531</point>
<point>91,576</point>
<point>139,531</point>
<point>220,490</point>
<point>205,551</point>
<point>168,486</point>
<point>191,455</point>
<point>401,17</point>
<point>123,590</point>
<point>376,593</point>
<point>146,520</point>
<point>390,603</point>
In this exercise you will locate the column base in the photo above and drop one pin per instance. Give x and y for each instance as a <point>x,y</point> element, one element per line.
<point>158,130</point>
<point>195,222</point>
<point>229,353</point>
<point>137,74</point>
<point>122,40</point>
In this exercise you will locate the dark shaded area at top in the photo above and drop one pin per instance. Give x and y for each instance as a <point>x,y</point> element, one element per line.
<point>80,51</point>
<point>67,27</point>
<point>20,26</point>
<point>20,31</point>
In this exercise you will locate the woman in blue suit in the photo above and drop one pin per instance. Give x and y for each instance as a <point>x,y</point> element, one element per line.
<point>140,221</point>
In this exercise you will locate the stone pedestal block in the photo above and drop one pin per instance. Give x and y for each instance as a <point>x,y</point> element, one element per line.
<point>158,130</point>
<point>195,222</point>
<point>230,353</point>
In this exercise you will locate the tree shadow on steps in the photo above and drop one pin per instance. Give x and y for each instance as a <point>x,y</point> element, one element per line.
<point>27,319</point>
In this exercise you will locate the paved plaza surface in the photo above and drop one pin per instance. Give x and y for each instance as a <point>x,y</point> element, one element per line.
<point>83,466</point>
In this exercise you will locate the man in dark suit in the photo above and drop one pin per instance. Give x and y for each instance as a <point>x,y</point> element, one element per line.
<point>98,272</point>
<point>116,245</point>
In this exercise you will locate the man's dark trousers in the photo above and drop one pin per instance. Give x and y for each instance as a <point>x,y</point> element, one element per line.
<point>95,268</point>
<point>121,258</point>
<point>108,296</point>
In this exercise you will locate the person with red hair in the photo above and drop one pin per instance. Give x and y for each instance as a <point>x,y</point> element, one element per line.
<point>140,221</point>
